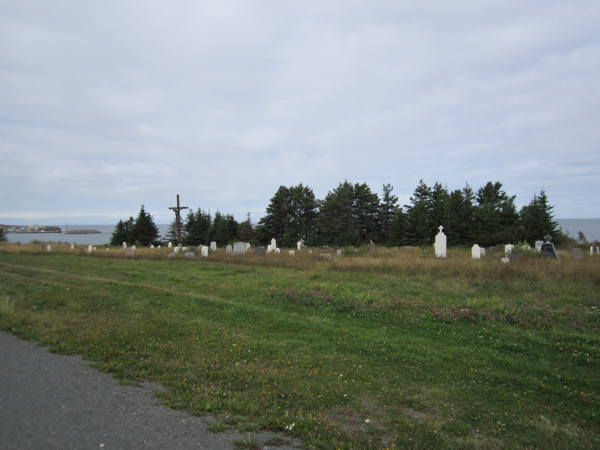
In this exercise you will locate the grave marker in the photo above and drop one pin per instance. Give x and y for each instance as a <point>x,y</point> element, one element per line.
<point>228,249</point>
<point>260,250</point>
<point>475,252</point>
<point>325,256</point>
<point>213,246</point>
<point>190,255</point>
<point>292,252</point>
<point>440,244</point>
<point>204,251</point>
<point>239,248</point>
<point>577,254</point>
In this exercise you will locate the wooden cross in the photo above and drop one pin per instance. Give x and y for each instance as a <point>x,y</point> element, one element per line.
<point>178,218</point>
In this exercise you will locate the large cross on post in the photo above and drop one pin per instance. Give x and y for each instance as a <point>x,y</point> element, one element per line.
<point>178,218</point>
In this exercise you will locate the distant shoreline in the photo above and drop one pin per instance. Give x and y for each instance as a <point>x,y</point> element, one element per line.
<point>82,232</point>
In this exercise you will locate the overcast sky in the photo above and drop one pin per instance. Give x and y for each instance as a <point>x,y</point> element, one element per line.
<point>108,105</point>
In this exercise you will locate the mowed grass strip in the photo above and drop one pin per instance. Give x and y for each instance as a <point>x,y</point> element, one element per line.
<point>342,358</point>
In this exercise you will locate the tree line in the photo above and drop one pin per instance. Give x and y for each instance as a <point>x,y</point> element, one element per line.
<point>352,214</point>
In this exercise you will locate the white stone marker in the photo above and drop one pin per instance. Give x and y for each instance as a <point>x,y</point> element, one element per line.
<point>90,249</point>
<point>300,243</point>
<point>158,246</point>
<point>277,250</point>
<point>293,252</point>
<point>482,252</point>
<point>72,246</point>
<point>124,244</point>
<point>475,252</point>
<point>204,250</point>
<point>213,246</point>
<point>508,248</point>
<point>538,245</point>
<point>176,250</point>
<point>151,245</point>
<point>440,244</point>
<point>170,245</point>
<point>49,248</point>
<point>94,248</point>
<point>248,246</point>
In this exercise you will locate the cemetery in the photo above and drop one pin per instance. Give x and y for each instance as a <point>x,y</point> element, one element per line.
<point>447,346</point>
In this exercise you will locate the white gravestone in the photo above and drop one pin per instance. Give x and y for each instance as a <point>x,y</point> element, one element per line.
<point>277,250</point>
<point>269,248</point>
<point>229,249</point>
<point>440,244</point>
<point>300,243</point>
<point>508,248</point>
<point>158,246</point>
<point>339,252</point>
<point>124,244</point>
<point>170,245</point>
<point>151,245</point>
<point>538,245</point>
<point>72,246</point>
<point>176,250</point>
<point>482,252</point>
<point>90,249</point>
<point>204,250</point>
<point>213,246</point>
<point>293,252</point>
<point>247,247</point>
<point>239,248</point>
<point>475,252</point>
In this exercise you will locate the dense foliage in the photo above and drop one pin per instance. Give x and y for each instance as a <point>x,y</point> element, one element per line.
<point>141,231</point>
<point>351,214</point>
<point>3,237</point>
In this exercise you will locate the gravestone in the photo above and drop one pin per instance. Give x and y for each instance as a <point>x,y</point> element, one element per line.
<point>90,249</point>
<point>593,251</point>
<point>124,244</point>
<point>151,245</point>
<point>176,250</point>
<point>548,250</point>
<point>72,246</point>
<point>130,252</point>
<point>248,247</point>
<point>228,249</point>
<point>133,247</point>
<point>515,257</point>
<point>269,248</point>
<point>204,251</point>
<point>407,249</point>
<point>538,245</point>
<point>325,256</point>
<point>300,243</point>
<point>260,250</point>
<point>277,250</point>
<point>158,246</point>
<point>239,248</point>
<point>440,244</point>
<point>339,252</point>
<point>577,254</point>
<point>170,245</point>
<point>190,255</point>
<point>504,260</point>
<point>172,255</point>
<point>94,248</point>
<point>310,252</point>
<point>292,252</point>
<point>303,248</point>
<point>482,252</point>
<point>475,252</point>
<point>373,247</point>
<point>81,250</point>
<point>49,248</point>
<point>213,246</point>
<point>508,248</point>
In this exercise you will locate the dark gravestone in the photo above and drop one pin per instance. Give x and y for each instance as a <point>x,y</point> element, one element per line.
<point>373,248</point>
<point>325,256</point>
<point>190,255</point>
<point>81,249</point>
<point>577,254</point>
<point>259,250</point>
<point>515,257</point>
<point>303,248</point>
<point>548,250</point>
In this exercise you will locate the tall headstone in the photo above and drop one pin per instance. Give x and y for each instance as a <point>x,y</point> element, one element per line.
<point>440,244</point>
<point>593,251</point>
<point>475,252</point>
<point>228,249</point>
<point>239,248</point>
<point>247,247</point>
<point>124,244</point>
<point>482,251</point>
<point>508,248</point>
<point>260,250</point>
<point>72,246</point>
<point>300,243</point>
<point>204,251</point>
<point>273,244</point>
<point>538,245</point>
<point>213,246</point>
<point>549,251</point>
<point>90,248</point>
<point>170,244</point>
<point>339,252</point>
<point>49,248</point>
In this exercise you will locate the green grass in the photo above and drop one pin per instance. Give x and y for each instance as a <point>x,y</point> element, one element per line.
<point>380,351</point>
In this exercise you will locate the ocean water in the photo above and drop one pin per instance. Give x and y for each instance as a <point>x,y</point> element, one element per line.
<point>589,227</point>
<point>101,238</point>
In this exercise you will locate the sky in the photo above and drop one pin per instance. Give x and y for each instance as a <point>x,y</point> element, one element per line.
<point>109,105</point>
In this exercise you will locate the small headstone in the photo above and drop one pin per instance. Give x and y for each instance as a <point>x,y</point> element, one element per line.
<point>309,252</point>
<point>269,248</point>
<point>277,250</point>
<point>190,255</point>
<point>176,250</point>
<point>106,248</point>
<point>124,244</point>
<point>577,254</point>
<point>260,250</point>
<point>81,250</point>
<point>90,249</point>
<point>49,248</point>
<point>482,251</point>
<point>440,244</point>
<point>73,247</point>
<point>247,247</point>
<point>339,252</point>
<point>130,252</point>
<point>133,247</point>
<point>475,252</point>
<point>292,252</point>
<point>204,251</point>
<point>228,249</point>
<point>504,260</point>
<point>515,257</point>
<point>213,246</point>
<point>94,248</point>
<point>151,245</point>
<point>158,246</point>
<point>299,243</point>
<point>538,245</point>
<point>325,256</point>
<point>172,255</point>
<point>373,247</point>
<point>508,248</point>
<point>303,248</point>
<point>170,245</point>
<point>239,248</point>
<point>184,249</point>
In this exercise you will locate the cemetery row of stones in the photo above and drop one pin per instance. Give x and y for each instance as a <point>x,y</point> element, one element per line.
<point>546,248</point>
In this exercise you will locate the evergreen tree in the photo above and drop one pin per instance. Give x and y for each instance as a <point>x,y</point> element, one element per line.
<point>232,229</point>
<point>144,229</point>
<point>336,222</point>
<point>3,237</point>
<point>171,235</point>
<point>388,211</point>
<point>420,228</point>
<point>537,218</point>
<point>246,230</point>
<point>197,227</point>
<point>365,212</point>
<point>495,215</point>
<point>122,232</point>
<point>397,230</point>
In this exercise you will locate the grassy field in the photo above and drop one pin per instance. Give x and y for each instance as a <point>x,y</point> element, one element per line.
<point>385,350</point>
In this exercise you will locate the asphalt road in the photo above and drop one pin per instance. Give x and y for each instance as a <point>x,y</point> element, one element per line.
<point>50,401</point>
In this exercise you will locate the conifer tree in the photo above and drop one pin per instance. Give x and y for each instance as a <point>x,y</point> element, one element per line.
<point>247,231</point>
<point>144,230</point>
<point>388,210</point>
<point>537,218</point>
<point>122,232</point>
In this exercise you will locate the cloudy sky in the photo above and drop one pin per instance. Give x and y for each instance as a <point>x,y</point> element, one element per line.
<point>108,105</point>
